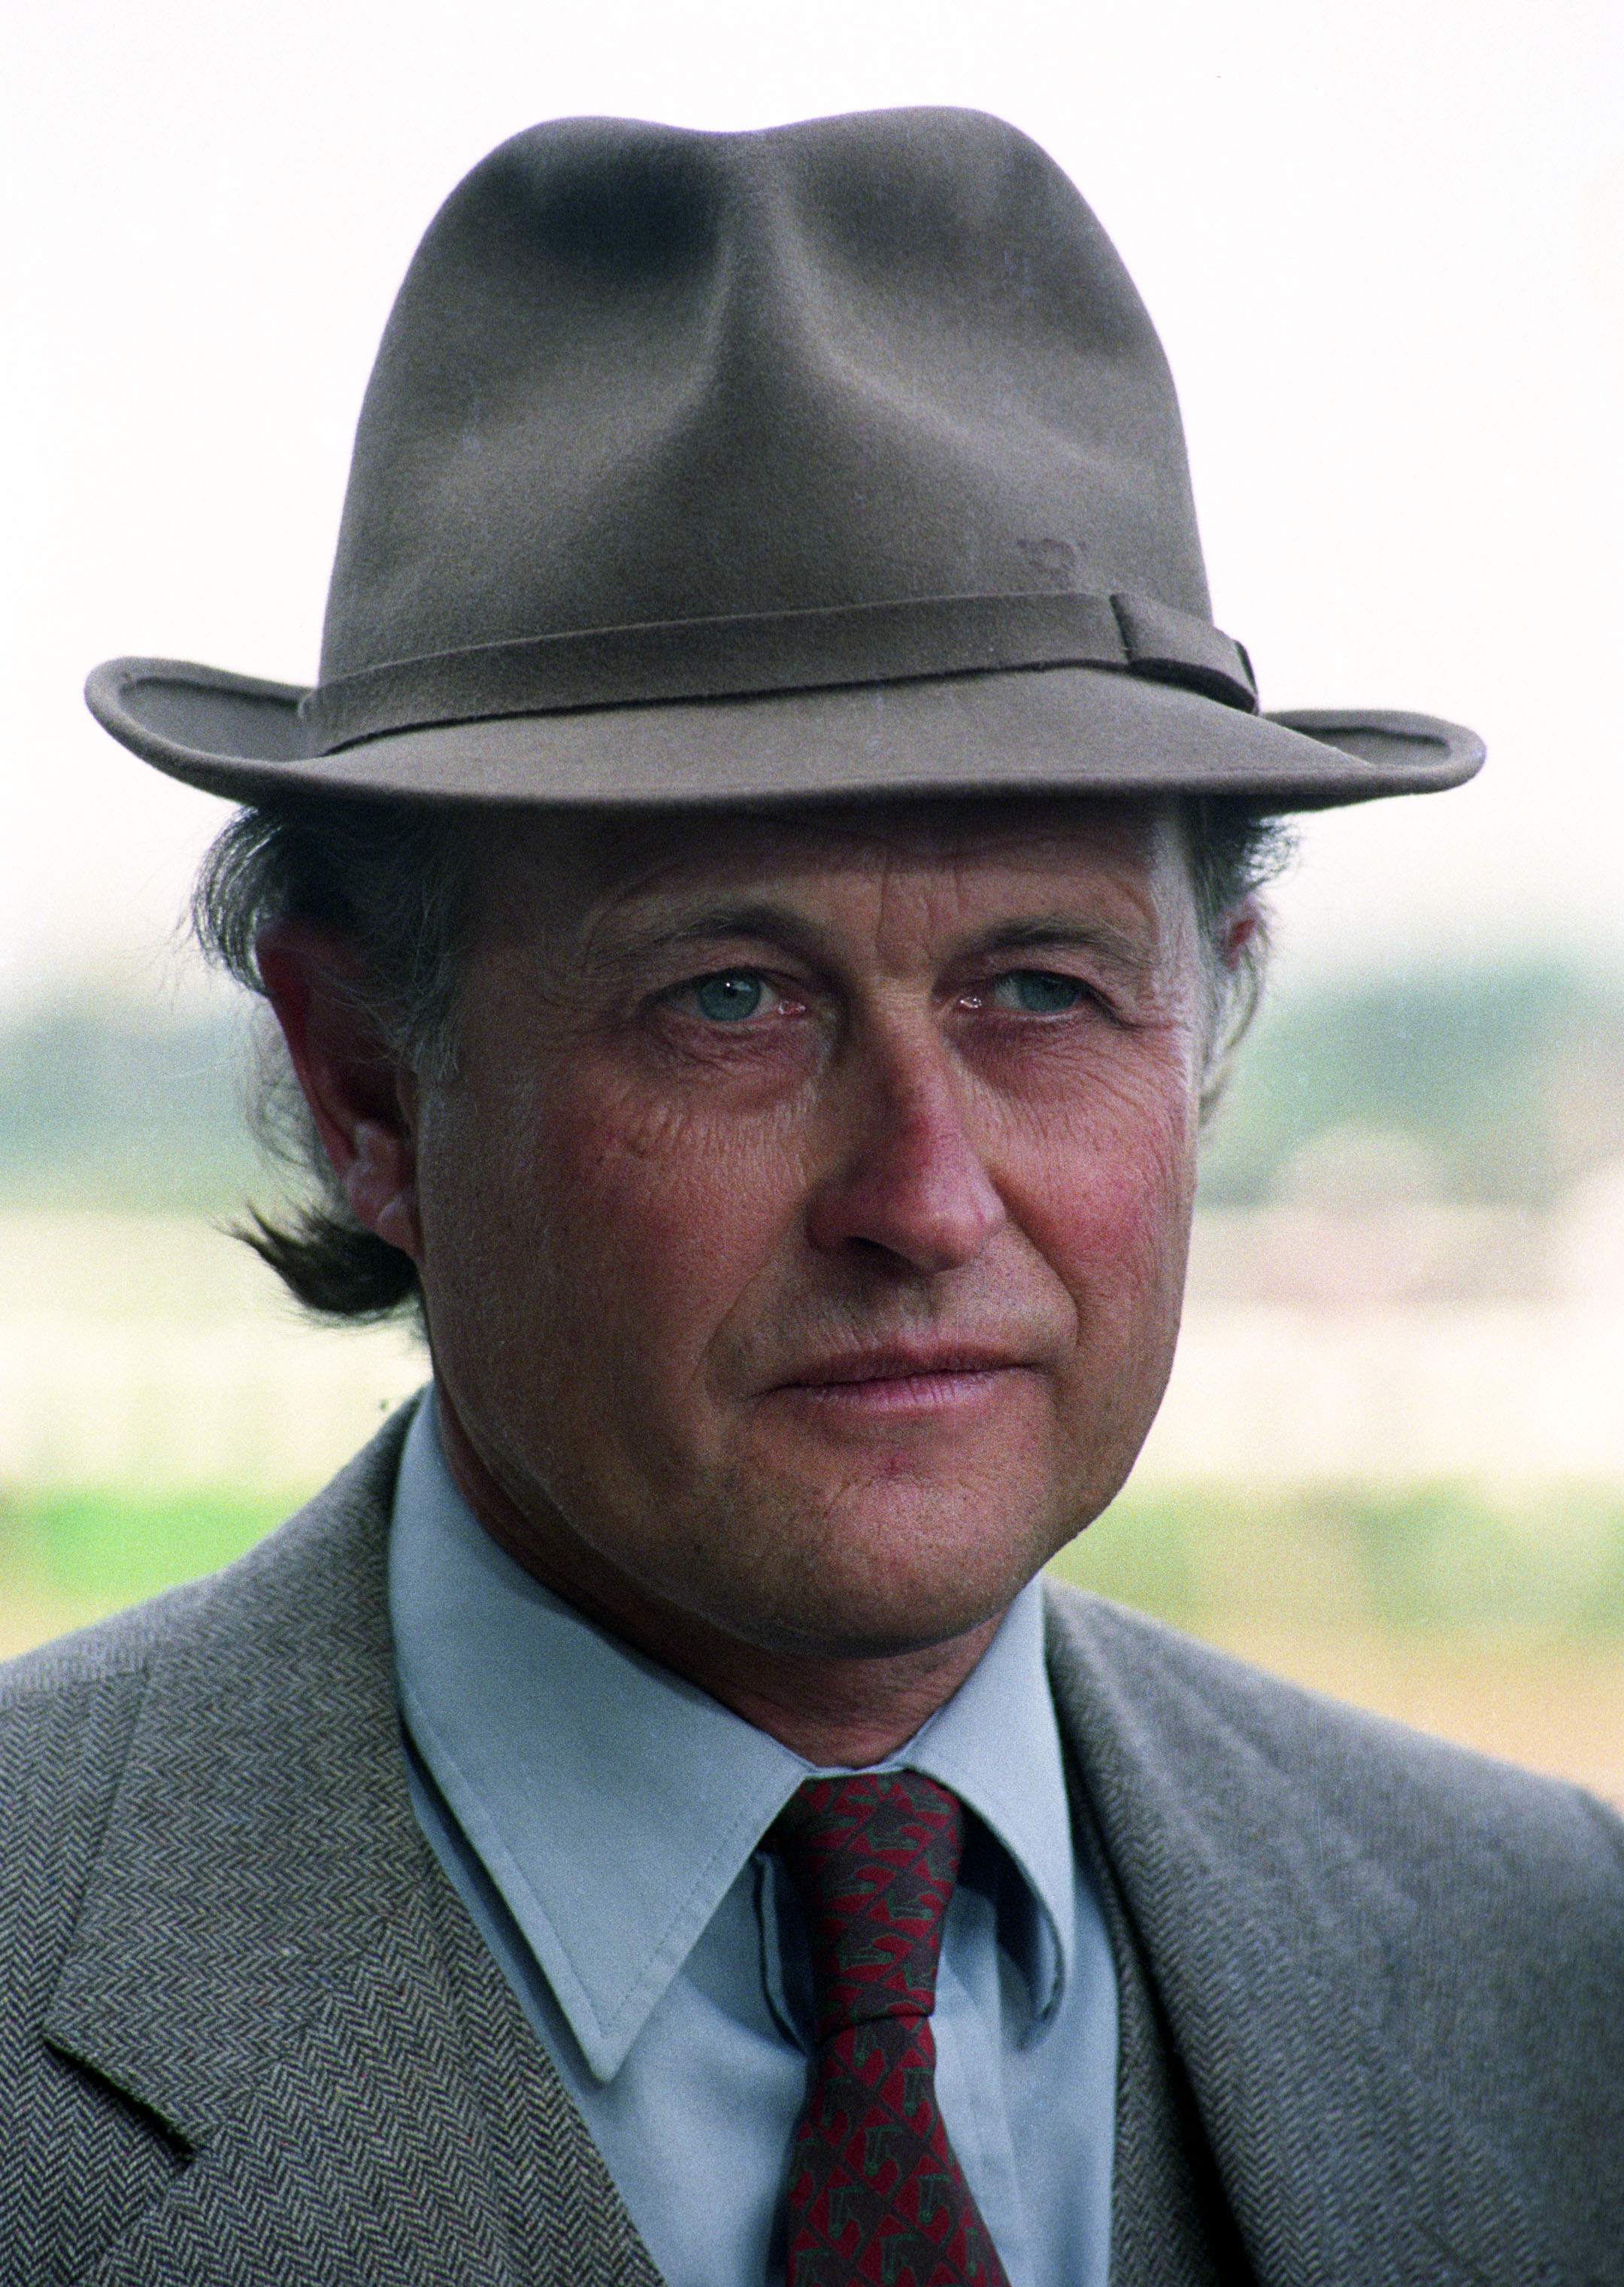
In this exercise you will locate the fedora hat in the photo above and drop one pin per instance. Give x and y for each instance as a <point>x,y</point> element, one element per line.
<point>837,459</point>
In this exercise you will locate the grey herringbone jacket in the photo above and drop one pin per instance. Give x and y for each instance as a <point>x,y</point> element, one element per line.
<point>1374,1989</point>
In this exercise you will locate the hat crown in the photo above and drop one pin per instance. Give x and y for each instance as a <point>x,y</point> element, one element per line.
<point>639,375</point>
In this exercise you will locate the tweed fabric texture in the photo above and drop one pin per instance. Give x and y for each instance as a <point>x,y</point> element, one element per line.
<point>1373,2023</point>
<point>1342,1922</point>
<point>1172,2225</point>
<point>274,2039</point>
<point>876,2191</point>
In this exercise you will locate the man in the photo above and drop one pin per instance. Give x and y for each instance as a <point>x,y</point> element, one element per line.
<point>756,905</point>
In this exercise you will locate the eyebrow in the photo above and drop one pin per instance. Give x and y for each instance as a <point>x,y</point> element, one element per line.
<point>1061,932</point>
<point>762,922</point>
<point>758,920</point>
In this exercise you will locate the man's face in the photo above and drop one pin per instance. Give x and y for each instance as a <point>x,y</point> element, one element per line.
<point>803,1236</point>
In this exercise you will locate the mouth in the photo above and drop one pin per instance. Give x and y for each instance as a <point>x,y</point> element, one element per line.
<point>930,1378</point>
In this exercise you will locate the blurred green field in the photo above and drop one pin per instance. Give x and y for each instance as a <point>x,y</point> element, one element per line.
<point>1493,1622</point>
<point>93,1550</point>
<point>1418,1559</point>
<point>1415,1559</point>
<point>1493,1618</point>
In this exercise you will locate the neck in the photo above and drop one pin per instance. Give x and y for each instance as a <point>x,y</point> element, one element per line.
<point>844,1714</point>
<point>835,1709</point>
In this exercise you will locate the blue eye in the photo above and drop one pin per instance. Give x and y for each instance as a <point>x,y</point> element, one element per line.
<point>728,997</point>
<point>1038,991</point>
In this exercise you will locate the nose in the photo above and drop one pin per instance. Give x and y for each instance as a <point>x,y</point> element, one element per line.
<point>909,1179</point>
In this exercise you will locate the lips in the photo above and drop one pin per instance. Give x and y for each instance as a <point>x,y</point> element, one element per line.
<point>901,1364</point>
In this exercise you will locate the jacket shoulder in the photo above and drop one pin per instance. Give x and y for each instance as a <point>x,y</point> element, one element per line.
<point>133,1707</point>
<point>107,1654</point>
<point>68,1717</point>
<point>68,1709</point>
<point>1401,1790</point>
<point>1394,1967</point>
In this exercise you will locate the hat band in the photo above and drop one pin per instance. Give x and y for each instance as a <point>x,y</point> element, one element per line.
<point>749,656</point>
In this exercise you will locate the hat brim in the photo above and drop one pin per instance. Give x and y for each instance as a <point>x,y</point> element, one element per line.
<point>1051,729</point>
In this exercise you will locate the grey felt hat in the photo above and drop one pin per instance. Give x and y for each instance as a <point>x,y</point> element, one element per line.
<point>840,458</point>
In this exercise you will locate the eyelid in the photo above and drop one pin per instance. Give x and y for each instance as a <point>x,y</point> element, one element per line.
<point>1090,991</point>
<point>778,987</point>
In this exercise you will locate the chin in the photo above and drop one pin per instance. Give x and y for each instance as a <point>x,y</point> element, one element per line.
<point>874,1594</point>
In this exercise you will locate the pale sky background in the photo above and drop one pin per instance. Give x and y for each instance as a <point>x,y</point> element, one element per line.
<point>1384,242</point>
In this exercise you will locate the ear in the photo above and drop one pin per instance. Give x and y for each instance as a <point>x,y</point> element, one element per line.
<point>363,1100</point>
<point>1241,924</point>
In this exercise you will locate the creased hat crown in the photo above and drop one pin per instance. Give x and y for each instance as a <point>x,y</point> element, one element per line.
<point>826,460</point>
<point>637,375</point>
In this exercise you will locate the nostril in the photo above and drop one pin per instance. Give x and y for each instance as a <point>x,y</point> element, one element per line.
<point>909,1183</point>
<point>931,1216</point>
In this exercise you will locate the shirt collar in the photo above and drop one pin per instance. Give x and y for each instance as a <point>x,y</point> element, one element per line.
<point>521,1709</point>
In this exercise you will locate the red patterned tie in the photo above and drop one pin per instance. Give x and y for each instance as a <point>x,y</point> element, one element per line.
<point>876,2193</point>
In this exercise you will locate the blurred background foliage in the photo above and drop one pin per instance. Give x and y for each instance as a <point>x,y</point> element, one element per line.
<point>107,1105</point>
<point>1415,1558</point>
<point>104,1547</point>
<point>1494,1087</point>
<point>1508,1084</point>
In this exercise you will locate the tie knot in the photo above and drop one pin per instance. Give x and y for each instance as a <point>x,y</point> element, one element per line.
<point>873,1859</point>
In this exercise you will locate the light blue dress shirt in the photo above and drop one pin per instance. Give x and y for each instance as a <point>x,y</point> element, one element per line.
<point>602,1820</point>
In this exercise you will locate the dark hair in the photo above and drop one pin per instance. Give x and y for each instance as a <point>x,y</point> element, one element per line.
<point>398,881</point>
<point>394,879</point>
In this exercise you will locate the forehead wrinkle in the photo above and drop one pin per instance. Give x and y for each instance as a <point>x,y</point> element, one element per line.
<point>766,921</point>
<point>755,920</point>
<point>584,885</point>
<point>625,853</point>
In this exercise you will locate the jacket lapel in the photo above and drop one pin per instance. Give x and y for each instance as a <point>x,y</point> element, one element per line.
<point>260,1960</point>
<point>1170,2225</point>
<point>269,1961</point>
<point>1285,1959</point>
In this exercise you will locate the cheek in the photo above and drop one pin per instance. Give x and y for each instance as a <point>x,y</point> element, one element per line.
<point>1111,1200</point>
<point>639,1221</point>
